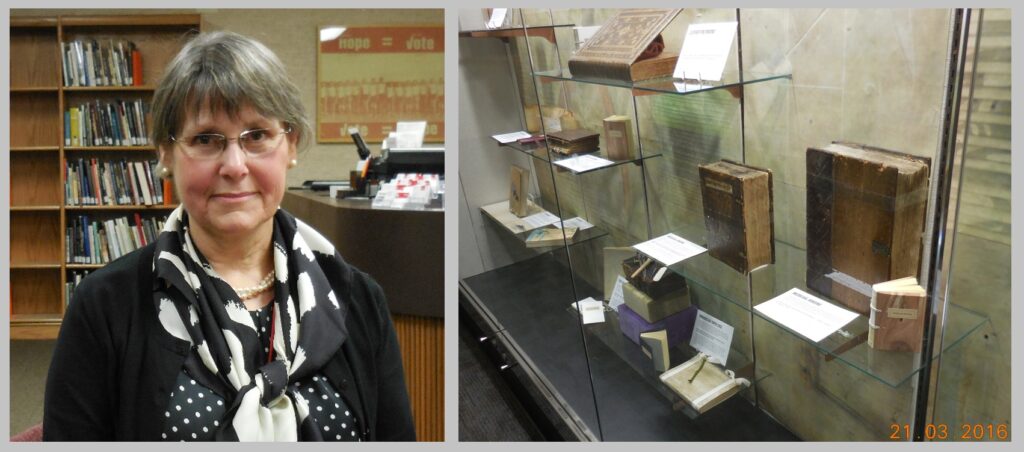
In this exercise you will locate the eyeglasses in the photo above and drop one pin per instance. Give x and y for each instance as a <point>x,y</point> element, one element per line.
<point>255,143</point>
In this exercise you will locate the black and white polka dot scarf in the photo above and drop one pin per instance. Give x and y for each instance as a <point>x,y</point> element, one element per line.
<point>196,305</point>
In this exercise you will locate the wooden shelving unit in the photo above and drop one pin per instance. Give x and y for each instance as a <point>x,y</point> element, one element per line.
<point>39,214</point>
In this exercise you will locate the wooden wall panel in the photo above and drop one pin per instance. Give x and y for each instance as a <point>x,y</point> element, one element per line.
<point>422,343</point>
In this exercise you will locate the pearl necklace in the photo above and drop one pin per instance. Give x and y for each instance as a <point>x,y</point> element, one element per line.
<point>262,286</point>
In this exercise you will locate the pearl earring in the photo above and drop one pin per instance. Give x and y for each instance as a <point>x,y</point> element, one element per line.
<point>293,163</point>
<point>165,172</point>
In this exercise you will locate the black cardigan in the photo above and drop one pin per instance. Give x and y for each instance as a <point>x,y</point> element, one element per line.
<point>114,364</point>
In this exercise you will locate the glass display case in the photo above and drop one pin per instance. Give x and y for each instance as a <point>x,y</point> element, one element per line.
<point>819,161</point>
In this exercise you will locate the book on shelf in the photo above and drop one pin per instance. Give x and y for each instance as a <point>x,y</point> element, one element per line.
<point>116,123</point>
<point>550,236</point>
<point>738,214</point>
<point>655,345</point>
<point>74,279</point>
<point>92,62</point>
<point>518,201</point>
<point>573,141</point>
<point>89,241</point>
<point>628,48</point>
<point>619,141</point>
<point>897,315</point>
<point>865,219</point>
<point>702,384</point>
<point>96,182</point>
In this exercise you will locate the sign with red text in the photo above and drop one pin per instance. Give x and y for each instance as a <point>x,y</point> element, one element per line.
<point>371,77</point>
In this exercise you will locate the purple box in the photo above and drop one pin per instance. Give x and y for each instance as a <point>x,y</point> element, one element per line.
<point>678,325</point>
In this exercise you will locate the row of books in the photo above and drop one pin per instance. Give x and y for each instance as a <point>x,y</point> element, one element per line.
<point>92,182</point>
<point>100,242</point>
<point>117,123</point>
<point>88,62</point>
<point>73,280</point>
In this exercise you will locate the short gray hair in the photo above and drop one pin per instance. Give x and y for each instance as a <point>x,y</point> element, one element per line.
<point>230,71</point>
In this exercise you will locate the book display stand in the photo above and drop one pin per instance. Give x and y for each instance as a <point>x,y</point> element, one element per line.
<point>721,164</point>
<point>43,208</point>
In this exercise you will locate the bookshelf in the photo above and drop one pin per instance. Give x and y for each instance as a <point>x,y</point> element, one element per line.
<point>39,212</point>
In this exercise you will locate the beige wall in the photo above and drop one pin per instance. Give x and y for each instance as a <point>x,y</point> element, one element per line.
<point>292,35</point>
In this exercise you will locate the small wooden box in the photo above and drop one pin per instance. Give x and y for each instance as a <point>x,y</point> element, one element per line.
<point>738,214</point>
<point>655,309</point>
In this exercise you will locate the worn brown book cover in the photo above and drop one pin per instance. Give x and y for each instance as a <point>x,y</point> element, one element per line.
<point>709,386</point>
<point>616,47</point>
<point>518,187</point>
<point>573,141</point>
<point>618,138</point>
<point>865,218</point>
<point>897,315</point>
<point>660,66</point>
<point>738,214</point>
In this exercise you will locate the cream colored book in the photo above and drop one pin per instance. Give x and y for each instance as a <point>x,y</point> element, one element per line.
<point>702,384</point>
<point>655,345</point>
<point>518,203</point>
<point>548,237</point>
<point>896,321</point>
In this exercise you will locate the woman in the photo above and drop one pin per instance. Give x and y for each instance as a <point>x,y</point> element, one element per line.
<point>239,322</point>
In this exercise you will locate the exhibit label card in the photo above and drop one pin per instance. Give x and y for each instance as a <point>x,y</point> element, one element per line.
<point>585,162</point>
<point>506,138</point>
<point>712,337</point>
<point>705,51</point>
<point>806,314</point>
<point>574,222</point>
<point>538,219</point>
<point>497,17</point>
<point>592,310</point>
<point>617,297</point>
<point>669,249</point>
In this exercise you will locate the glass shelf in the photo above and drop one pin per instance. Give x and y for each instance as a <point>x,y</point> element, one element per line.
<point>540,152</point>
<point>500,214</point>
<point>667,85</point>
<point>601,153</point>
<point>544,31</point>
<point>849,344</point>
<point>610,335</point>
<point>530,301</point>
<point>535,150</point>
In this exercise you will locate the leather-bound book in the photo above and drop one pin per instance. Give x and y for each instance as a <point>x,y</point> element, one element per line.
<point>627,48</point>
<point>573,141</point>
<point>897,315</point>
<point>738,214</point>
<point>865,218</point>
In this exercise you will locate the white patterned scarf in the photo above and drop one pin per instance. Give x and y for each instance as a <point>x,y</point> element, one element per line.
<point>197,305</point>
